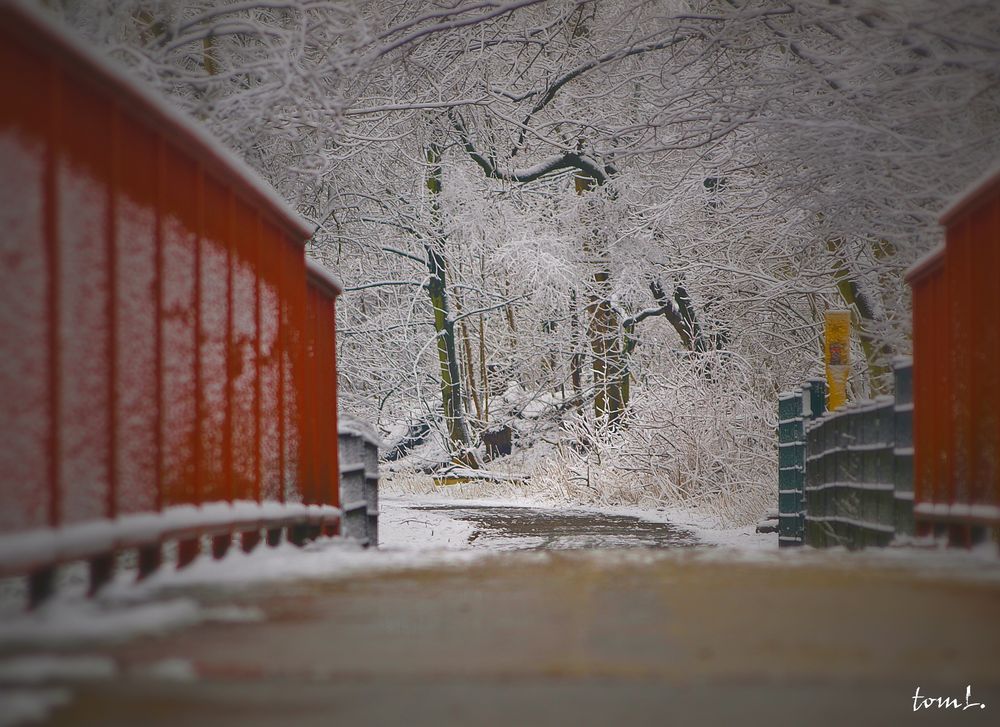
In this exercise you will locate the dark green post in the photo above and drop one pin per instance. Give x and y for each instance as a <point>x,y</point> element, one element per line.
<point>814,407</point>
<point>817,397</point>
<point>903,450</point>
<point>791,467</point>
<point>885,470</point>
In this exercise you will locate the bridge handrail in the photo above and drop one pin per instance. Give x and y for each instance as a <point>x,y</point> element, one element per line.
<point>158,375</point>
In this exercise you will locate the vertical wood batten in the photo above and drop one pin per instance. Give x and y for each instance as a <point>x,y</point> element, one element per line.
<point>256,264</point>
<point>282,348</point>
<point>158,324</point>
<point>299,296</point>
<point>310,403</point>
<point>113,185</point>
<point>990,423</point>
<point>329,434</point>
<point>53,150</point>
<point>199,242</point>
<point>227,426</point>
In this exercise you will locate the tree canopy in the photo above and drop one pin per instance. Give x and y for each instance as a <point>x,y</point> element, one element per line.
<point>613,225</point>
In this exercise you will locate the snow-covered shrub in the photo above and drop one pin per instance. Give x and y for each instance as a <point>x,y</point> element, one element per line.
<point>693,442</point>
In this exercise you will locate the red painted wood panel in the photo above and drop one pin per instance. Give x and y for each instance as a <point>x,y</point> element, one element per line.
<point>178,328</point>
<point>83,170</point>
<point>270,353</point>
<point>136,218</point>
<point>157,342</point>
<point>956,344</point>
<point>27,465</point>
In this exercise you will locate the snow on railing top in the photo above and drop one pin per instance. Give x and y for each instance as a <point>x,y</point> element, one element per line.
<point>986,187</point>
<point>84,540</point>
<point>862,406</point>
<point>925,263</point>
<point>324,277</point>
<point>348,425</point>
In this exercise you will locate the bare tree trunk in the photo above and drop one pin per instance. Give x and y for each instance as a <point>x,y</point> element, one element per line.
<point>576,359</point>
<point>459,438</point>
<point>470,371</point>
<point>603,327</point>
<point>484,375</point>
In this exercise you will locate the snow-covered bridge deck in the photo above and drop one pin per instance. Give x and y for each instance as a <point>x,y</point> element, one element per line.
<point>612,636</point>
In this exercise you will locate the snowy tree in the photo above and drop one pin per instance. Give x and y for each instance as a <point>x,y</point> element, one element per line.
<point>674,191</point>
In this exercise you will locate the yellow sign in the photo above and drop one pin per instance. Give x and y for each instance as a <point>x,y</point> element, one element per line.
<point>837,350</point>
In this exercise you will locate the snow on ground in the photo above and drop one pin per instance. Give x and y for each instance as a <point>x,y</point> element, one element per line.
<point>707,529</point>
<point>33,685</point>
<point>410,539</point>
<point>405,529</point>
<point>921,556</point>
<point>125,609</point>
<point>128,609</point>
<point>174,670</point>
<point>27,694</point>
<point>28,706</point>
<point>39,673</point>
<point>27,669</point>
<point>70,619</point>
<point>704,527</point>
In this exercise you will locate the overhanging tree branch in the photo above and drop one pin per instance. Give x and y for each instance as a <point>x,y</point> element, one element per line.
<point>570,160</point>
<point>385,283</point>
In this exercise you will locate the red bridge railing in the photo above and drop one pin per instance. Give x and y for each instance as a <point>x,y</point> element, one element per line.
<point>956,371</point>
<point>319,467</point>
<point>162,344</point>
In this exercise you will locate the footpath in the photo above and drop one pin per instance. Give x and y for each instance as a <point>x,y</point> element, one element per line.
<point>644,636</point>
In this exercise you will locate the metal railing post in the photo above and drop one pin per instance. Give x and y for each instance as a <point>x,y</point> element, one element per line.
<point>902,468</point>
<point>885,470</point>
<point>814,397</point>
<point>354,520</point>
<point>371,490</point>
<point>791,467</point>
<point>358,481</point>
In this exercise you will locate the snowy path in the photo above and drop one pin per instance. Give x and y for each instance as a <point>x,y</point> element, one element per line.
<point>427,523</point>
<point>515,526</point>
<point>448,627</point>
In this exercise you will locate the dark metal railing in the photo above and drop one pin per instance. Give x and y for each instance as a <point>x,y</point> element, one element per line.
<point>846,477</point>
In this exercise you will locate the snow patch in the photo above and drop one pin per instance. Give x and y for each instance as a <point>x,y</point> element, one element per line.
<point>66,621</point>
<point>175,670</point>
<point>406,529</point>
<point>707,529</point>
<point>424,542</point>
<point>22,706</point>
<point>40,668</point>
<point>233,614</point>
